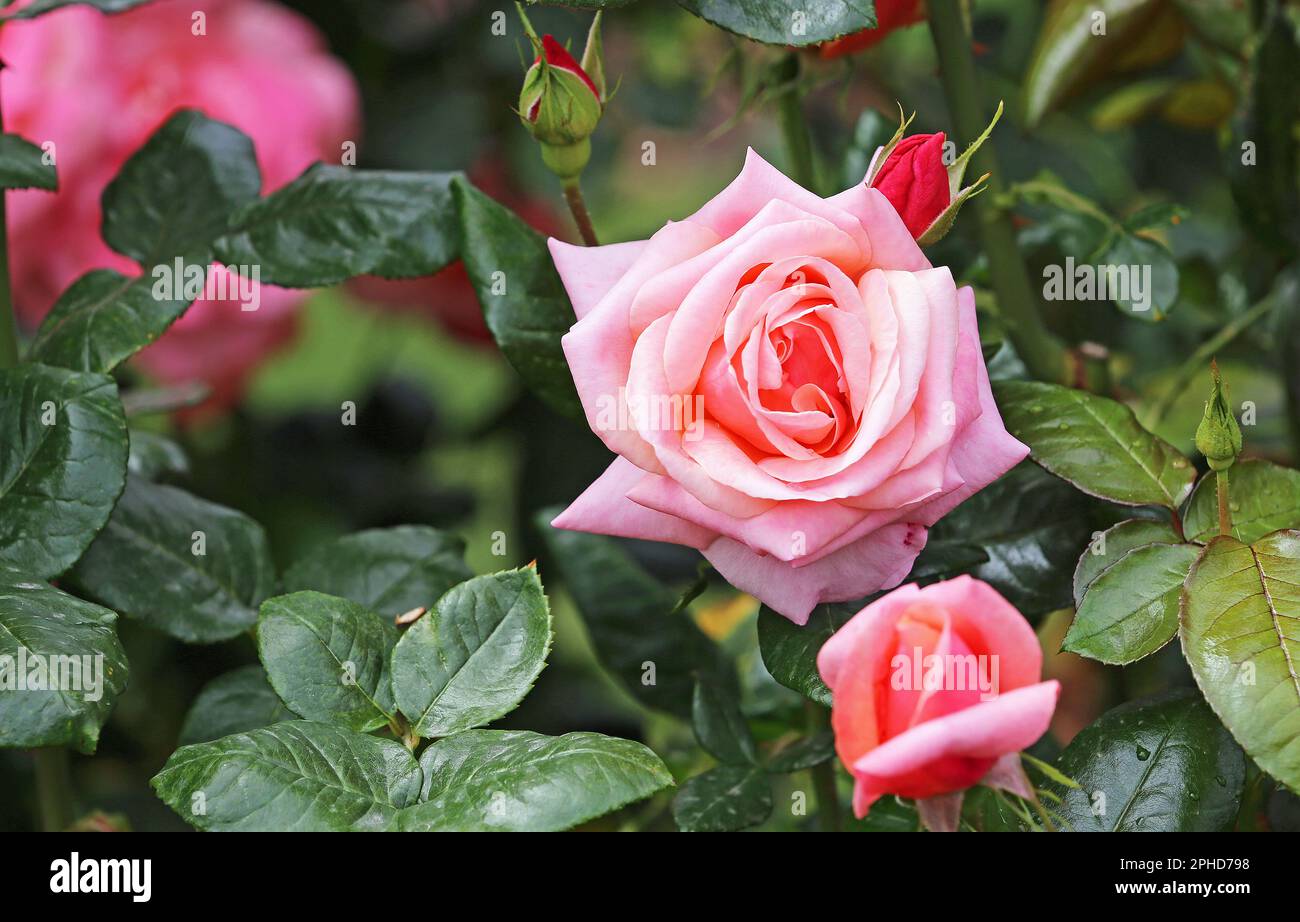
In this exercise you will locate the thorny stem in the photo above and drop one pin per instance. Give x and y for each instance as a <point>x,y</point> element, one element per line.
<point>823,775</point>
<point>1225,516</point>
<point>578,206</point>
<point>53,788</point>
<point>794,127</point>
<point>1041,352</point>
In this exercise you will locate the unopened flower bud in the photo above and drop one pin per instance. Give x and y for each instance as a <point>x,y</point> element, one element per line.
<point>561,103</point>
<point>1218,437</point>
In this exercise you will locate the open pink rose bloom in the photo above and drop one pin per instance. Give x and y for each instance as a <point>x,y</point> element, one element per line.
<point>790,386</point>
<point>936,689</point>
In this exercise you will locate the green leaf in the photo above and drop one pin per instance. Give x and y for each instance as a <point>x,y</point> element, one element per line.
<point>1138,256</point>
<point>942,559</point>
<point>388,570</point>
<point>889,814</point>
<point>518,781</point>
<point>38,7</point>
<point>155,457</point>
<point>804,753</point>
<point>62,464</point>
<point>728,798</point>
<point>177,192</point>
<point>523,300</point>
<point>239,701</point>
<point>144,564</point>
<point>327,659</point>
<point>786,22</point>
<point>719,725</point>
<point>1161,765</point>
<point>102,320</point>
<point>1262,497</point>
<point>297,776</point>
<point>1094,443</point>
<point>1240,609</point>
<point>790,651</point>
<point>618,600</point>
<point>1109,546</point>
<point>475,656</point>
<point>1070,56</point>
<point>1131,609</point>
<point>333,222</point>
<point>1031,525</point>
<point>61,666</point>
<point>22,165</point>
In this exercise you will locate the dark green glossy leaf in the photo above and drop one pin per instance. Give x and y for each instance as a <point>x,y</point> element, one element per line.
<point>1131,609</point>
<point>1241,608</point>
<point>62,464</point>
<point>1094,443</point>
<point>1112,544</point>
<point>297,776</point>
<point>327,659</point>
<point>889,814</point>
<point>943,559</point>
<point>102,320</point>
<point>1031,525</point>
<point>728,798</point>
<point>523,300</point>
<point>790,651</point>
<point>388,570</point>
<point>619,602</point>
<point>22,165</point>
<point>1148,289</point>
<point>144,564</point>
<point>1263,497</point>
<point>475,656</point>
<point>177,192</point>
<point>719,725</point>
<point>156,457</point>
<point>804,753</point>
<point>61,666</point>
<point>333,222</point>
<point>787,22</point>
<point>1161,765</point>
<point>518,781</point>
<point>239,701</point>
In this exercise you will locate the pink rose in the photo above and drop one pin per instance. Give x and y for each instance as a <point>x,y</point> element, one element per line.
<point>915,180</point>
<point>98,86</point>
<point>936,689</point>
<point>790,388</point>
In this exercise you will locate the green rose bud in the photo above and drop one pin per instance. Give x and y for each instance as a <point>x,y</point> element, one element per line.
<point>1218,437</point>
<point>561,104</point>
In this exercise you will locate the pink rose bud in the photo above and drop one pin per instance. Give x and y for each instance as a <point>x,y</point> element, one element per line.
<point>561,103</point>
<point>924,189</point>
<point>936,690</point>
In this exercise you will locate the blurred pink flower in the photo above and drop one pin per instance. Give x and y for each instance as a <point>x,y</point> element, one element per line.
<point>98,86</point>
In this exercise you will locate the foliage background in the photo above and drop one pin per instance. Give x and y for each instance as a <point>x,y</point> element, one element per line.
<point>448,437</point>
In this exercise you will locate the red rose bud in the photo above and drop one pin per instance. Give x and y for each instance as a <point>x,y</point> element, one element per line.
<point>915,180</point>
<point>890,15</point>
<point>561,103</point>
<point>926,192</point>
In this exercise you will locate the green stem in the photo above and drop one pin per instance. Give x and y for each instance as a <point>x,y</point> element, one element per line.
<point>1042,353</point>
<point>578,206</point>
<point>1196,362</point>
<point>8,326</point>
<point>823,775</point>
<point>794,127</point>
<point>53,788</point>
<point>1225,516</point>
